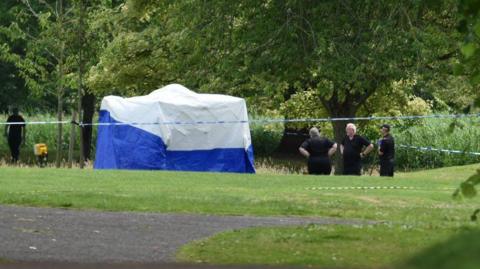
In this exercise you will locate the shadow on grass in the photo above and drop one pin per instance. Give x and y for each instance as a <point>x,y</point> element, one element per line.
<point>461,251</point>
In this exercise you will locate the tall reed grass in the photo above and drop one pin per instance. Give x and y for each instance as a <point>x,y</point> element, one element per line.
<point>459,134</point>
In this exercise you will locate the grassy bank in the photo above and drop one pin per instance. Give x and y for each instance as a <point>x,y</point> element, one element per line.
<point>241,194</point>
<point>410,220</point>
<point>371,246</point>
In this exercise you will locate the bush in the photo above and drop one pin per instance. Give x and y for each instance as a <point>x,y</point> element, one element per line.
<point>461,134</point>
<point>265,137</point>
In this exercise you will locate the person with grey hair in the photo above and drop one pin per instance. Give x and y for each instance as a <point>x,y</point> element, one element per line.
<point>318,150</point>
<point>353,149</point>
<point>15,133</point>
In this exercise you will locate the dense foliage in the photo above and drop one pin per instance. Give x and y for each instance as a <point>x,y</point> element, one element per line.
<point>289,59</point>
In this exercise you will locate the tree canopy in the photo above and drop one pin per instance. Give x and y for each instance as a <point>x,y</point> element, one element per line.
<point>295,57</point>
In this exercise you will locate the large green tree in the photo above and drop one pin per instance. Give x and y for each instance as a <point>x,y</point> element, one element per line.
<point>11,88</point>
<point>470,65</point>
<point>61,40</point>
<point>42,26</point>
<point>470,47</point>
<point>345,51</point>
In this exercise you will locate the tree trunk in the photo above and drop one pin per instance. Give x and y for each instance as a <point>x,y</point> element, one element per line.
<point>71,143</point>
<point>80,128</point>
<point>81,70</point>
<point>339,134</point>
<point>60,89</point>
<point>58,158</point>
<point>88,106</point>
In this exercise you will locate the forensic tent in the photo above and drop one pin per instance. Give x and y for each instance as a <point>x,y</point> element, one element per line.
<point>174,128</point>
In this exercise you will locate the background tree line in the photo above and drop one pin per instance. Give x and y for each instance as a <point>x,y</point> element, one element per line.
<point>293,58</point>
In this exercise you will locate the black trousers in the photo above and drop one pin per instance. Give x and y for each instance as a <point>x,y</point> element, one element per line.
<point>387,167</point>
<point>354,169</point>
<point>14,145</point>
<point>319,166</point>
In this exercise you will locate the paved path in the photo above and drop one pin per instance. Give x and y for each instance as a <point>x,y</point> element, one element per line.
<point>57,235</point>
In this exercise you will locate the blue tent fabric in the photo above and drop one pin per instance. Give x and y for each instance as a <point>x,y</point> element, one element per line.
<point>124,146</point>
<point>127,147</point>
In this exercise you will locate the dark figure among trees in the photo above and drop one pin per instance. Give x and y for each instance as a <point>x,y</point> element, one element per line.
<point>15,133</point>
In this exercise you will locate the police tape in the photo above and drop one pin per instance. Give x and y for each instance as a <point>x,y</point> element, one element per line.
<point>377,188</point>
<point>454,151</point>
<point>428,148</point>
<point>257,121</point>
<point>440,150</point>
<point>298,120</point>
<point>164,123</point>
<point>35,122</point>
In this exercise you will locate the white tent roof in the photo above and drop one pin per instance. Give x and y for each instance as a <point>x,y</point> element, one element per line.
<point>175,103</point>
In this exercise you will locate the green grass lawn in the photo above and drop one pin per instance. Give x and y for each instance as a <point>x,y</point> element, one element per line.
<point>370,246</point>
<point>241,194</point>
<point>412,220</point>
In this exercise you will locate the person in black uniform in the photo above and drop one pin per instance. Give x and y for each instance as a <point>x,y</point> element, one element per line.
<point>386,151</point>
<point>352,149</point>
<point>318,150</point>
<point>15,134</point>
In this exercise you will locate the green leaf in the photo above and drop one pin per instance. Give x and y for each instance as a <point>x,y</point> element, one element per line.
<point>476,28</point>
<point>477,102</point>
<point>458,69</point>
<point>469,49</point>
<point>475,79</point>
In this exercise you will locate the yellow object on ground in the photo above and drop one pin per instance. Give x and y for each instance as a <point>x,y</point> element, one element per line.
<point>40,149</point>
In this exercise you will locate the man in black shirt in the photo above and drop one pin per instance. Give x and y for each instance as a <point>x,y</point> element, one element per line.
<point>15,134</point>
<point>386,151</point>
<point>352,148</point>
<point>318,150</point>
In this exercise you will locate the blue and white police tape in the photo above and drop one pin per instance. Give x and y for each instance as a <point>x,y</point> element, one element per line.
<point>260,121</point>
<point>164,123</point>
<point>267,121</point>
<point>34,122</point>
<point>377,188</point>
<point>440,150</point>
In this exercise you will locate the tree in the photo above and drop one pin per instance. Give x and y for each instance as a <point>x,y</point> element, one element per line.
<point>101,22</point>
<point>470,26</point>
<point>469,65</point>
<point>61,43</point>
<point>12,88</point>
<point>43,64</point>
<point>345,51</point>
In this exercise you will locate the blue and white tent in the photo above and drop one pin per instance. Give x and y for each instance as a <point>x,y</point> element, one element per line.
<point>162,131</point>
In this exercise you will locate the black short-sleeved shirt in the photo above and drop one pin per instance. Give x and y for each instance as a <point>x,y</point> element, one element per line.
<point>353,147</point>
<point>387,146</point>
<point>15,130</point>
<point>317,146</point>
